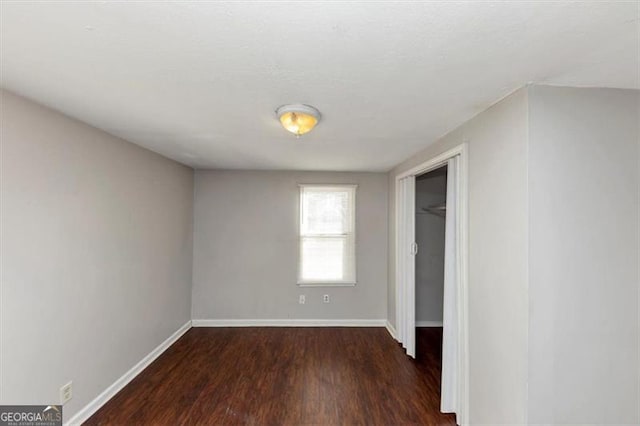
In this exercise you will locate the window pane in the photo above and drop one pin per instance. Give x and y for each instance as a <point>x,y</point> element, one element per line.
<point>323,258</point>
<point>327,234</point>
<point>325,212</point>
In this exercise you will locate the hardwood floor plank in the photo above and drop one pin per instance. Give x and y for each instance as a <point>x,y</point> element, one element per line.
<point>285,376</point>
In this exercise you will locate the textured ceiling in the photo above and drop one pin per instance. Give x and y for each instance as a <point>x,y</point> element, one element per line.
<point>199,82</point>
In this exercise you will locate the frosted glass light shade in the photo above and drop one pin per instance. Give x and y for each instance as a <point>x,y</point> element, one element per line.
<point>298,119</point>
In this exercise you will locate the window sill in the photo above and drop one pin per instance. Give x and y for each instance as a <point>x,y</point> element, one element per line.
<point>326,284</point>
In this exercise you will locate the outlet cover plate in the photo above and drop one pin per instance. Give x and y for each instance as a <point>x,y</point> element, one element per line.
<point>66,392</point>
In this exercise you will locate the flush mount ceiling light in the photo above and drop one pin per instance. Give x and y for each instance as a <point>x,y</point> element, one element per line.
<point>298,119</point>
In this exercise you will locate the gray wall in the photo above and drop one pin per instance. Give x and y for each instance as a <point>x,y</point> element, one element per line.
<point>583,361</point>
<point>96,255</point>
<point>497,256</point>
<point>246,248</point>
<point>431,189</point>
<point>554,215</point>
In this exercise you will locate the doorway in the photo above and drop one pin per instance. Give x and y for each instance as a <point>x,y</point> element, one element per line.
<point>431,201</point>
<point>454,395</point>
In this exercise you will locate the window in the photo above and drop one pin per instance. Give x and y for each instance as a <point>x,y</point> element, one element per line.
<point>327,235</point>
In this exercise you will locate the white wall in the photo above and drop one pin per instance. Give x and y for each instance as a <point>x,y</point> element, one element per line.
<point>246,248</point>
<point>497,256</point>
<point>583,256</point>
<point>96,255</point>
<point>431,189</point>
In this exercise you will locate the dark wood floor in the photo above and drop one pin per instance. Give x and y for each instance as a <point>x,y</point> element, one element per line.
<point>276,376</point>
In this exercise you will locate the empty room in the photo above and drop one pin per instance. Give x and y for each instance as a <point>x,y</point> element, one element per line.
<point>319,213</point>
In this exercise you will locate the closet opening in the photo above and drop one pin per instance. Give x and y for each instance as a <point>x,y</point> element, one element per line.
<point>431,272</point>
<point>430,220</point>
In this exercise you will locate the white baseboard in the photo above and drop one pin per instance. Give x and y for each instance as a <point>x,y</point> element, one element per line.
<point>428,323</point>
<point>287,323</point>
<point>88,410</point>
<point>391,330</point>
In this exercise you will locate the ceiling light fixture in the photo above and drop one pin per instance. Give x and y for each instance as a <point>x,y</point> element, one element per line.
<point>298,119</point>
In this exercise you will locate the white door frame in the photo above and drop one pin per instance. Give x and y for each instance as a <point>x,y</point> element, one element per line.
<point>462,243</point>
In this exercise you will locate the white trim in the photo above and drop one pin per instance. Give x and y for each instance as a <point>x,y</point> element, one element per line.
<point>428,323</point>
<point>88,410</point>
<point>327,284</point>
<point>434,163</point>
<point>330,185</point>
<point>391,330</point>
<point>463,291</point>
<point>288,323</point>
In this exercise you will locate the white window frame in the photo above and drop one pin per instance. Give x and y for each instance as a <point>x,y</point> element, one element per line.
<point>328,283</point>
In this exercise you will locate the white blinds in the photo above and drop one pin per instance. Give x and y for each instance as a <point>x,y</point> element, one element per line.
<point>327,234</point>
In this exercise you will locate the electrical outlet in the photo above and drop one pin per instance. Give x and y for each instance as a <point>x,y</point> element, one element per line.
<point>302,299</point>
<point>326,299</point>
<point>66,393</point>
